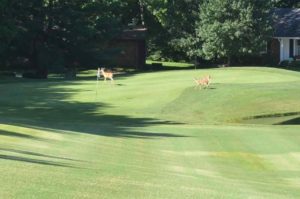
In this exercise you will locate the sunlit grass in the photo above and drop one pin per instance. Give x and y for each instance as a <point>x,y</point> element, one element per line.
<point>152,135</point>
<point>171,64</point>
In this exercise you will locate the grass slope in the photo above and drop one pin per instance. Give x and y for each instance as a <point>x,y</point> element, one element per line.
<point>152,135</point>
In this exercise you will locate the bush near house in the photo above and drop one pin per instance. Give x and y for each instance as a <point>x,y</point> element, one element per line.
<point>295,63</point>
<point>290,63</point>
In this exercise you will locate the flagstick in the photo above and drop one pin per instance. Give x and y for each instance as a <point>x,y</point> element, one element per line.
<point>97,84</point>
<point>97,87</point>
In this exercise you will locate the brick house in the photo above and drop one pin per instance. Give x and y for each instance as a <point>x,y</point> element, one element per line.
<point>131,48</point>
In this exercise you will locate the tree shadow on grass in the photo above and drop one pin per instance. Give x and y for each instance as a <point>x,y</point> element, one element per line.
<point>47,105</point>
<point>21,152</point>
<point>19,135</point>
<point>274,115</point>
<point>34,161</point>
<point>111,126</point>
<point>293,121</point>
<point>149,68</point>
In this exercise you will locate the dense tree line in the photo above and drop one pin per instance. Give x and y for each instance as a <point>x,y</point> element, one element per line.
<point>175,30</point>
<point>57,34</point>
<point>286,3</point>
<point>54,34</point>
<point>212,29</point>
<point>232,28</point>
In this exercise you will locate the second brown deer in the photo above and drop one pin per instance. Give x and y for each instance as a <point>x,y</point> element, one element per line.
<point>203,82</point>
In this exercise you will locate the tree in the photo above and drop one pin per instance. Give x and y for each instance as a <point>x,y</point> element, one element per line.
<point>47,33</point>
<point>286,3</point>
<point>230,28</point>
<point>8,29</point>
<point>172,27</point>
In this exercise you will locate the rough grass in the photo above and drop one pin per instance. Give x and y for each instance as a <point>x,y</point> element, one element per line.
<point>152,135</point>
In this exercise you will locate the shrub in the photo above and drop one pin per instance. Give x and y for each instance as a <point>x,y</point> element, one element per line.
<point>285,63</point>
<point>295,64</point>
<point>8,74</point>
<point>290,63</point>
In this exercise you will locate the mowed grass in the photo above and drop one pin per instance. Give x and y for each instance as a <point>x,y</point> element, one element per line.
<point>152,135</point>
<point>172,65</point>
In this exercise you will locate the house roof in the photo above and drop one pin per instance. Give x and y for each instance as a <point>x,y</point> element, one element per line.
<point>286,22</point>
<point>134,34</point>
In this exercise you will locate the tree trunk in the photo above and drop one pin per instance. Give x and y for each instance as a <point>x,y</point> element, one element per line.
<point>142,12</point>
<point>34,55</point>
<point>40,72</point>
<point>228,60</point>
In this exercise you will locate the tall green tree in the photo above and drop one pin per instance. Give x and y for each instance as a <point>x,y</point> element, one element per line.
<point>47,33</point>
<point>286,3</point>
<point>231,28</point>
<point>8,29</point>
<point>175,25</point>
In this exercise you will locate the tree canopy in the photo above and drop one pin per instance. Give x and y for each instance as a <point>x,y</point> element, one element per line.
<point>286,3</point>
<point>54,34</point>
<point>47,33</point>
<point>177,24</point>
<point>233,27</point>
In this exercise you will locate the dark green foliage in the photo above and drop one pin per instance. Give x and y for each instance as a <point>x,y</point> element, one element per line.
<point>230,28</point>
<point>290,64</point>
<point>286,3</point>
<point>175,21</point>
<point>55,35</point>
<point>52,35</point>
<point>295,64</point>
<point>7,29</point>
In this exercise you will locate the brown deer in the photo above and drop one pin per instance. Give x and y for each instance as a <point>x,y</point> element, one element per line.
<point>204,82</point>
<point>108,74</point>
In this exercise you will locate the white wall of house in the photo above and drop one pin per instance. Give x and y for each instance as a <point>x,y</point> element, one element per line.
<point>297,47</point>
<point>285,47</point>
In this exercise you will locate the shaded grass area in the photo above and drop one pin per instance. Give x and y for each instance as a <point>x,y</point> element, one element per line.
<point>47,107</point>
<point>31,160</point>
<point>152,135</point>
<point>14,134</point>
<point>289,118</point>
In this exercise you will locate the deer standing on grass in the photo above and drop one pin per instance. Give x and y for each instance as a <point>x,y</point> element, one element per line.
<point>108,74</point>
<point>204,82</point>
